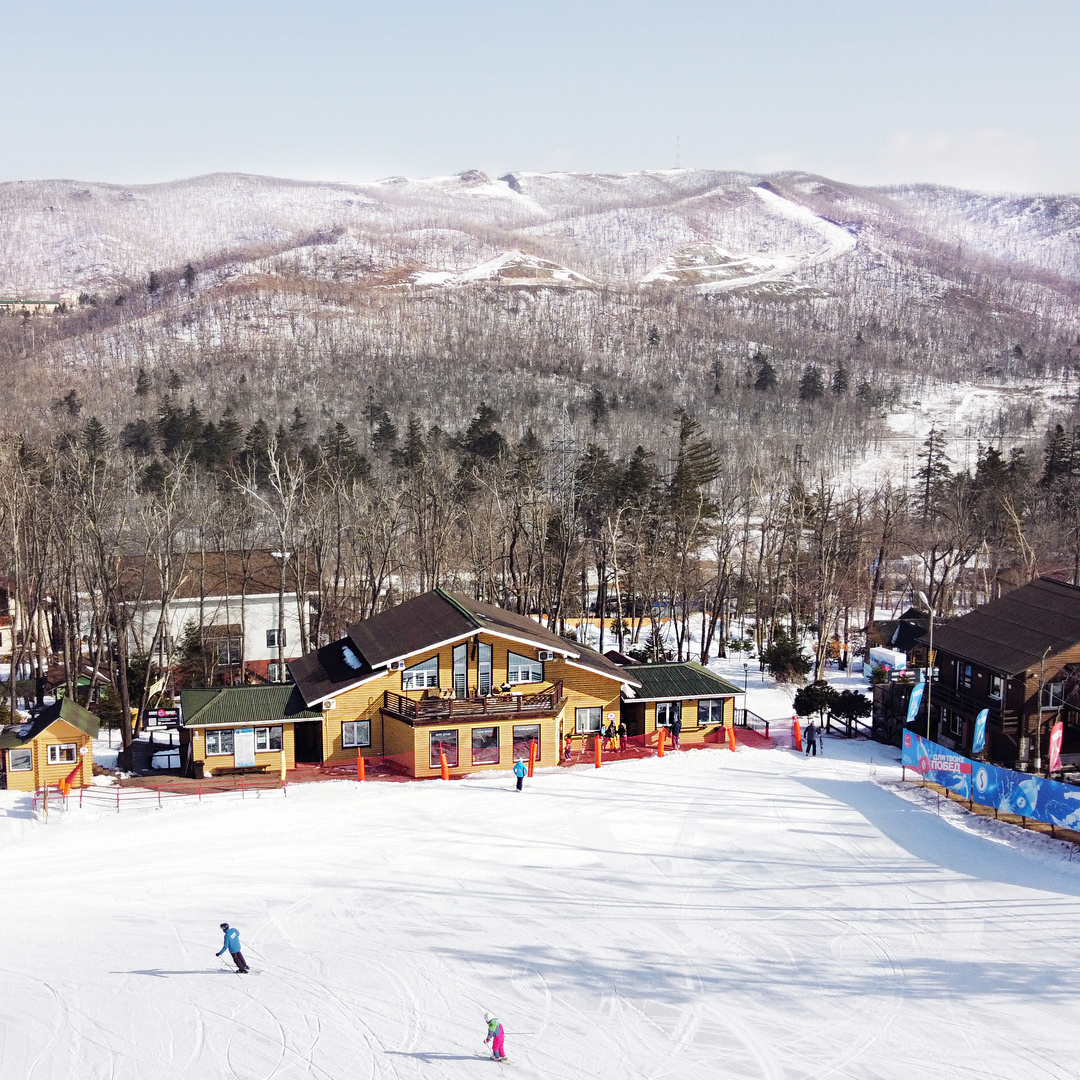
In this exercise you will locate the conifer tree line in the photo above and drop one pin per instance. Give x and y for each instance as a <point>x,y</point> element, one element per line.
<point>551,525</point>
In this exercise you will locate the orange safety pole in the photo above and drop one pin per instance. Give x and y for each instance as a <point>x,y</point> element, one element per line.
<point>598,754</point>
<point>796,732</point>
<point>660,741</point>
<point>444,768</point>
<point>532,755</point>
<point>731,739</point>
<point>359,766</point>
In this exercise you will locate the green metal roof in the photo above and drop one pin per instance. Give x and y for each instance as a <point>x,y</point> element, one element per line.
<point>665,682</point>
<point>64,709</point>
<point>244,705</point>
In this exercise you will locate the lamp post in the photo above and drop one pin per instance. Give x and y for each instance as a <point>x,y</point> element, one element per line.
<point>930,661</point>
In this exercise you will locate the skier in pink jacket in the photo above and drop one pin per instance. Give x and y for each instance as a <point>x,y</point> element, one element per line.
<point>495,1037</point>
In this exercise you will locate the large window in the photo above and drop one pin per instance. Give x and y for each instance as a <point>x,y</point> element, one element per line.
<point>523,669</point>
<point>227,651</point>
<point>963,675</point>
<point>62,754</point>
<point>421,676</point>
<point>267,738</point>
<point>587,721</point>
<point>710,711</point>
<point>21,759</point>
<point>667,712</point>
<point>483,670</point>
<point>956,723</point>
<point>995,687</point>
<point>524,734</point>
<point>272,638</point>
<point>1053,695</point>
<point>219,742</point>
<point>485,746</point>
<point>356,733</point>
<point>444,742</point>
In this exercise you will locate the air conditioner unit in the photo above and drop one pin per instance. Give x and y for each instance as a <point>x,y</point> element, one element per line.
<point>545,654</point>
<point>329,703</point>
<point>396,665</point>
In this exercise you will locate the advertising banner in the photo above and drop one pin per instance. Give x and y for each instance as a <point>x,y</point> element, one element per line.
<point>1057,733</point>
<point>978,743</point>
<point>1003,790</point>
<point>915,701</point>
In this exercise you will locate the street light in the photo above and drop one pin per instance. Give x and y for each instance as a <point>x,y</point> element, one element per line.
<point>745,670</point>
<point>929,661</point>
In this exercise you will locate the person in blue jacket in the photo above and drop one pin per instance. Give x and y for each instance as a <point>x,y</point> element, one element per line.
<point>232,943</point>
<point>520,769</point>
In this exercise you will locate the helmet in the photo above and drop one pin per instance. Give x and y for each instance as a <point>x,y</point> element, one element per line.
<point>488,1018</point>
<point>224,926</point>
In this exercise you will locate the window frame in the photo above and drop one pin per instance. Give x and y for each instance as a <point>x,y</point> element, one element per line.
<point>523,662</point>
<point>1053,695</point>
<point>228,651</point>
<point>448,738</point>
<point>268,737</point>
<point>517,742</point>
<point>218,736</point>
<point>964,675</point>
<point>28,767</point>
<point>271,638</point>
<point>482,755</point>
<point>672,712</point>
<point>581,730</point>
<point>355,741</point>
<point>714,705</point>
<point>424,668</point>
<point>53,757</point>
<point>996,681</point>
<point>956,724</point>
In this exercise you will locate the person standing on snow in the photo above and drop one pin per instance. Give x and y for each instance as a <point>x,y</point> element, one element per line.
<point>232,943</point>
<point>495,1035</point>
<point>810,735</point>
<point>676,731</point>
<point>520,769</point>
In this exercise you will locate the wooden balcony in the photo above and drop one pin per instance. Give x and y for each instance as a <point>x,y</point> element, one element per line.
<point>439,710</point>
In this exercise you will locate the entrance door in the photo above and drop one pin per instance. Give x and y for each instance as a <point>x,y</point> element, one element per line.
<point>461,670</point>
<point>633,714</point>
<point>483,670</point>
<point>308,736</point>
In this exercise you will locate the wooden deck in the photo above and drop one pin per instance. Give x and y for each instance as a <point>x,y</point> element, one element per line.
<point>434,710</point>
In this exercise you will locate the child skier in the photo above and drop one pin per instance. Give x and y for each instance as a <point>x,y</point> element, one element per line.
<point>232,943</point>
<point>495,1037</point>
<point>520,769</point>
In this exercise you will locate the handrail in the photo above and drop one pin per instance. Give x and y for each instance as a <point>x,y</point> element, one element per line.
<point>747,719</point>
<point>435,709</point>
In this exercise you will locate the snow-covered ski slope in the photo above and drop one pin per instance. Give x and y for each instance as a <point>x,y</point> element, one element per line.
<point>756,915</point>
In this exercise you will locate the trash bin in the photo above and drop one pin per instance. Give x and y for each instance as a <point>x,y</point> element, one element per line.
<point>199,769</point>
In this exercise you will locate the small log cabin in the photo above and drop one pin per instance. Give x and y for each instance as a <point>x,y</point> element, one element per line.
<point>443,674</point>
<point>689,692</point>
<point>44,751</point>
<point>1019,658</point>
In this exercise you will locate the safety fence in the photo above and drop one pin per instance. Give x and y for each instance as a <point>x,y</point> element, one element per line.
<point>1002,790</point>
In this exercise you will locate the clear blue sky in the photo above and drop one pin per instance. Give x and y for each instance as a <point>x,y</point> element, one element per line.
<point>985,94</point>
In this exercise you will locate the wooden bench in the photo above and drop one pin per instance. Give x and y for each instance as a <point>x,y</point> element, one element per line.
<point>237,770</point>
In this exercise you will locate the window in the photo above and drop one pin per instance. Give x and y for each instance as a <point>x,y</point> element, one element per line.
<point>963,675</point>
<point>356,733</point>
<point>956,724</point>
<point>485,746</point>
<point>273,672</point>
<point>667,712</point>
<point>587,721</point>
<point>227,651</point>
<point>461,670</point>
<point>268,738</point>
<point>483,670</point>
<point>710,711</point>
<point>421,676</point>
<point>65,754</point>
<point>444,742</point>
<point>996,684</point>
<point>219,742</point>
<point>1053,695</point>
<point>21,759</point>
<point>523,669</point>
<point>523,735</point>
<point>272,638</point>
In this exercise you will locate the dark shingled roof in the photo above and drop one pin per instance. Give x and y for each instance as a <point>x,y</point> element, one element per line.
<point>63,709</point>
<point>1013,634</point>
<point>420,624</point>
<point>244,705</point>
<point>686,680</point>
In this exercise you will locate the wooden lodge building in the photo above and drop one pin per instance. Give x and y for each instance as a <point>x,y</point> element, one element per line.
<point>46,750</point>
<point>445,674</point>
<point>1019,658</point>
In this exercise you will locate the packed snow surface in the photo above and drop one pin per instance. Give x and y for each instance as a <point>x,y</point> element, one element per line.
<point>750,915</point>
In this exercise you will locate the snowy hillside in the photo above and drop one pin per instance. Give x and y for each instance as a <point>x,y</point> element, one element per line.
<point>756,915</point>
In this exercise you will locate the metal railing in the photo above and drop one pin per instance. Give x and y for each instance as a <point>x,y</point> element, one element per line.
<point>746,719</point>
<point>436,710</point>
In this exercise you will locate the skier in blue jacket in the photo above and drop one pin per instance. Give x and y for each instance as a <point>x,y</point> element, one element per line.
<point>232,943</point>
<point>520,769</point>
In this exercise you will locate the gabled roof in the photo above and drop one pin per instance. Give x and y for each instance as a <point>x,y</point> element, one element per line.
<point>1014,633</point>
<point>666,682</point>
<point>70,712</point>
<point>419,625</point>
<point>213,573</point>
<point>244,705</point>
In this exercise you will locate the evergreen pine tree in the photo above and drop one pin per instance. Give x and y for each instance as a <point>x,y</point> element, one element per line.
<point>142,383</point>
<point>812,384</point>
<point>765,378</point>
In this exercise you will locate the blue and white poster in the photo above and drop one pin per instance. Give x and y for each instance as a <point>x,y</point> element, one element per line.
<point>979,739</point>
<point>915,701</point>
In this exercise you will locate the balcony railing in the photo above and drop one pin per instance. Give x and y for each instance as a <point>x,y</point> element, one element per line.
<point>436,710</point>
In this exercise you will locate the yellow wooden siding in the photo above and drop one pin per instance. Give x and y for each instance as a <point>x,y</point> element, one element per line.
<point>270,758</point>
<point>690,733</point>
<point>422,745</point>
<point>58,734</point>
